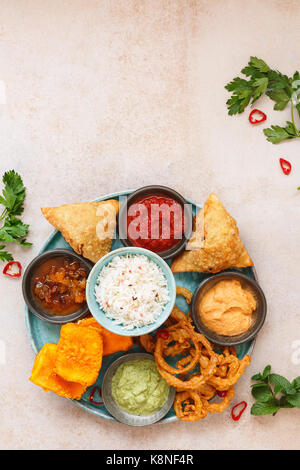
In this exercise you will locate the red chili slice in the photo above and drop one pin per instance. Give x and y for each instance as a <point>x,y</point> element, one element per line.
<point>163,334</point>
<point>236,417</point>
<point>92,394</point>
<point>252,119</point>
<point>285,166</point>
<point>7,269</point>
<point>222,394</point>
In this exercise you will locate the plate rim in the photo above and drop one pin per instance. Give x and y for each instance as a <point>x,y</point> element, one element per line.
<point>86,406</point>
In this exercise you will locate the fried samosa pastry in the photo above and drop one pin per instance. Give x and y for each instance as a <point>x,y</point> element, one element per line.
<point>215,244</point>
<point>79,354</point>
<point>44,376</point>
<point>111,342</point>
<point>88,227</point>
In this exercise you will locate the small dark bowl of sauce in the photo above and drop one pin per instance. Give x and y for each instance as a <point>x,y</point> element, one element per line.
<point>156,218</point>
<point>54,286</point>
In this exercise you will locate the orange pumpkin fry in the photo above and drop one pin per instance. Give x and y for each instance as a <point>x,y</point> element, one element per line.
<point>79,354</point>
<point>89,321</point>
<point>111,342</point>
<point>44,376</point>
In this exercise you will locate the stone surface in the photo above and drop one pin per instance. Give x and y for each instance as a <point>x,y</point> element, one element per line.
<point>107,95</point>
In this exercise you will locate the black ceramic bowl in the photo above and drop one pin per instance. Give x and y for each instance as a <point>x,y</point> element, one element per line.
<point>258,316</point>
<point>28,295</point>
<point>152,190</point>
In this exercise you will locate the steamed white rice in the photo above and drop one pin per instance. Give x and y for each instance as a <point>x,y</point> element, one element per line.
<point>132,290</point>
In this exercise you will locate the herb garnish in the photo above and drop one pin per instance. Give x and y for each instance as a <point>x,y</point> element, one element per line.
<point>278,87</point>
<point>13,230</point>
<point>273,392</point>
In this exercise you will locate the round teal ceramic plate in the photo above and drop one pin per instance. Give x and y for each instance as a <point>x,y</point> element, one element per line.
<point>41,332</point>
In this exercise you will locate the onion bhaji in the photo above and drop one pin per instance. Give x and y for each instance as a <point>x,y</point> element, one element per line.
<point>201,373</point>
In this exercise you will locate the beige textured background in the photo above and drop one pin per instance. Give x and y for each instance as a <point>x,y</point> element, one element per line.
<point>105,95</point>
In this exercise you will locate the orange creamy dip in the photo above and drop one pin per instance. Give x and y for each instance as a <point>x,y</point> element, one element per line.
<point>227,308</point>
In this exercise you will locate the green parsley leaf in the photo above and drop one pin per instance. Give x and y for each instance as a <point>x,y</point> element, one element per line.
<point>13,192</point>
<point>258,64</point>
<point>14,180</point>
<point>5,256</point>
<point>281,98</point>
<point>23,242</point>
<point>276,134</point>
<point>261,86</point>
<point>277,86</point>
<point>13,230</point>
<point>242,92</point>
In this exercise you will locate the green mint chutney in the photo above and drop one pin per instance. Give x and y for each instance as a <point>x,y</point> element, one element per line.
<point>138,388</point>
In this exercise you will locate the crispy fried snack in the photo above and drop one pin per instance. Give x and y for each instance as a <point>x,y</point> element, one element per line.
<point>215,244</point>
<point>79,354</point>
<point>43,375</point>
<point>218,372</point>
<point>206,391</point>
<point>222,405</point>
<point>188,406</point>
<point>236,368</point>
<point>111,342</point>
<point>175,316</point>
<point>185,327</point>
<point>147,342</point>
<point>186,293</point>
<point>87,226</point>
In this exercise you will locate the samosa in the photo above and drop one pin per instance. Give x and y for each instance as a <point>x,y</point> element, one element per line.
<point>88,227</point>
<point>215,244</point>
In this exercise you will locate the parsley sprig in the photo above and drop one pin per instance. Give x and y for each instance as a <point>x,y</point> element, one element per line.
<point>280,88</point>
<point>272,392</point>
<point>12,229</point>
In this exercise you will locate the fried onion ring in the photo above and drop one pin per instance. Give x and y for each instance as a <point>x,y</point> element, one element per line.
<point>222,405</point>
<point>236,369</point>
<point>194,389</point>
<point>147,342</point>
<point>206,391</point>
<point>186,293</point>
<point>188,406</point>
<point>162,364</point>
<point>195,381</point>
<point>175,316</point>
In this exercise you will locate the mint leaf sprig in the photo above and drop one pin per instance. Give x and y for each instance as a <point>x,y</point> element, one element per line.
<point>272,392</point>
<point>13,230</point>
<point>261,79</point>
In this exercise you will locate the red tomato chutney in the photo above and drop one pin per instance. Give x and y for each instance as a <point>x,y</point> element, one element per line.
<point>155,222</point>
<point>59,284</point>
